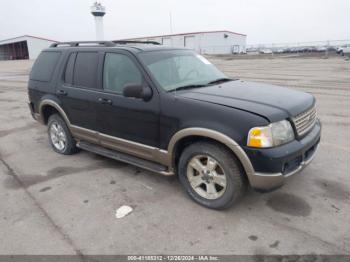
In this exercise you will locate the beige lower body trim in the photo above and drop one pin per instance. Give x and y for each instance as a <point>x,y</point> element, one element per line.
<point>84,134</point>
<point>135,149</point>
<point>157,155</point>
<point>122,145</point>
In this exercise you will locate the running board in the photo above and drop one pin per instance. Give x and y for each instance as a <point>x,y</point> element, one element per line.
<point>145,164</point>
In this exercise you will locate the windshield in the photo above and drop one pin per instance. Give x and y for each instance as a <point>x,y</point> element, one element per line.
<point>178,68</point>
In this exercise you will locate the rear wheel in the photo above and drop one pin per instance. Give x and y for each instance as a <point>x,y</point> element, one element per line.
<point>211,175</point>
<point>60,137</point>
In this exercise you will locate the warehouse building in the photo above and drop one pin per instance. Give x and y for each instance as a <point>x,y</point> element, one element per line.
<point>23,47</point>
<point>210,42</point>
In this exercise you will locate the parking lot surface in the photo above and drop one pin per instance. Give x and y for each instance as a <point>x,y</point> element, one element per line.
<point>55,204</point>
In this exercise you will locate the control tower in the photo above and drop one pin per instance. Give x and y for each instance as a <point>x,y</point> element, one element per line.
<point>98,11</point>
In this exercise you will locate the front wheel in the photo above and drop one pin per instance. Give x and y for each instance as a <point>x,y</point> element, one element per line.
<point>211,175</point>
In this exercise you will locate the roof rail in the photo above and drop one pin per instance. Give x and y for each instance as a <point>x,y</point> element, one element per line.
<point>125,42</point>
<point>83,43</point>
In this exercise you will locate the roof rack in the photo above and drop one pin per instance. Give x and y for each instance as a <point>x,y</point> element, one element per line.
<point>83,43</point>
<point>124,42</point>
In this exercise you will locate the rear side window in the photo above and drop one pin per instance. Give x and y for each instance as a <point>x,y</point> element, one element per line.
<point>68,75</point>
<point>44,66</point>
<point>85,71</point>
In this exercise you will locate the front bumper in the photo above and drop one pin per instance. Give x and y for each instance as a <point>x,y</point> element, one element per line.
<point>273,165</point>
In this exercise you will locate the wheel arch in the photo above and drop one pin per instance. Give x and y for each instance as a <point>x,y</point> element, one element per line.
<point>189,135</point>
<point>47,107</point>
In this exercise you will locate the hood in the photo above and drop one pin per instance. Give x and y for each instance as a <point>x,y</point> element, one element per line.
<point>272,102</point>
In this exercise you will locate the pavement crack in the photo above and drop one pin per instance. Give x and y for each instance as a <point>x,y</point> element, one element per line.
<point>11,172</point>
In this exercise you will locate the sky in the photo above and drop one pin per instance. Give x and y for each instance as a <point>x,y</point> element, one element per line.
<point>263,21</point>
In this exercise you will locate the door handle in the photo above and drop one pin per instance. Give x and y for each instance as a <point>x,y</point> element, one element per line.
<point>105,101</point>
<point>61,92</point>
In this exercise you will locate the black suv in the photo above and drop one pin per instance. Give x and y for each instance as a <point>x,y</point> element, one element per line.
<point>171,111</point>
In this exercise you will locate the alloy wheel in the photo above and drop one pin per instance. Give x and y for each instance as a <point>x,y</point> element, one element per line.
<point>206,177</point>
<point>58,136</point>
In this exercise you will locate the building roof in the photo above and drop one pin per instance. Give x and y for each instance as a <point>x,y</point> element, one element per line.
<point>27,36</point>
<point>191,33</point>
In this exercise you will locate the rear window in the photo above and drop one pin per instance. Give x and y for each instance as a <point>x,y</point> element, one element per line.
<point>85,71</point>
<point>44,66</point>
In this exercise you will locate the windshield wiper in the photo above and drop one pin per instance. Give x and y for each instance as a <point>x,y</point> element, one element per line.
<point>186,87</point>
<point>216,81</point>
<point>220,80</point>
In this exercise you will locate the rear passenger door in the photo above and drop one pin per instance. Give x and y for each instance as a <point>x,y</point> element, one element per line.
<point>79,87</point>
<point>131,119</point>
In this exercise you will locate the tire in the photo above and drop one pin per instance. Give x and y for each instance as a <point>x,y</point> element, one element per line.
<point>61,140</point>
<point>228,190</point>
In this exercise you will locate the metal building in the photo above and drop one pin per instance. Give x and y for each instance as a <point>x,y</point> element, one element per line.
<point>23,47</point>
<point>210,42</point>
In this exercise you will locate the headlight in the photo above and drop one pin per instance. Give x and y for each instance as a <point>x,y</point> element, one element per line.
<point>272,135</point>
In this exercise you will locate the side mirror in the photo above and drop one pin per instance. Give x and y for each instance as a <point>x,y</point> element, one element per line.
<point>137,91</point>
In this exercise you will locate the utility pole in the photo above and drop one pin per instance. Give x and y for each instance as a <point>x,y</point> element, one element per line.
<point>171,22</point>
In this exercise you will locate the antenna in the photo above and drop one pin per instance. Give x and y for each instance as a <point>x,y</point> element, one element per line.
<point>171,22</point>
<point>98,11</point>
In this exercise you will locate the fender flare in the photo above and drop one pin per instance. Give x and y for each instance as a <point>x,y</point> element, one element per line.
<point>217,136</point>
<point>48,102</point>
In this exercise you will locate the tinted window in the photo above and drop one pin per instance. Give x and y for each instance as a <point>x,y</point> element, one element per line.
<point>68,75</point>
<point>44,66</point>
<point>119,70</point>
<point>85,71</point>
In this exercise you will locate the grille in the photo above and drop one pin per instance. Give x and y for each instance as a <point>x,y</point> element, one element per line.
<point>305,121</point>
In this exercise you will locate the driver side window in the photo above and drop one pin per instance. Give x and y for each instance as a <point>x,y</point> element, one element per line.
<point>118,71</point>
